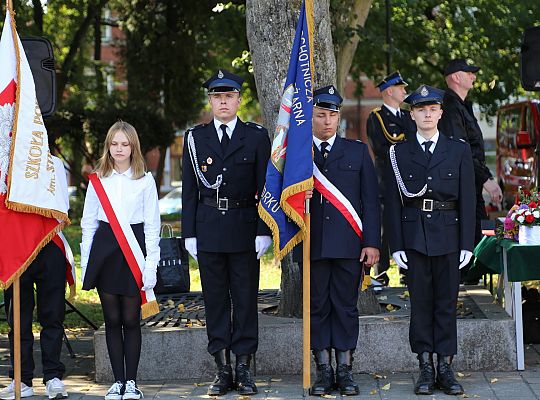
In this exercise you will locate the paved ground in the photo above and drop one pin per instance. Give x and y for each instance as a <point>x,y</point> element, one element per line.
<point>478,385</point>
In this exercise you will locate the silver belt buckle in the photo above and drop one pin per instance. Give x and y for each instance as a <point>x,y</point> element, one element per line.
<point>427,205</point>
<point>223,204</point>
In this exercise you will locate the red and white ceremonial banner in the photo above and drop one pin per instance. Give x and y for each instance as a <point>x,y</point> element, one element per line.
<point>337,199</point>
<point>62,243</point>
<point>32,210</point>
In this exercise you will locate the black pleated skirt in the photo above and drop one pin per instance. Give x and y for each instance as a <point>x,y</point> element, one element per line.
<point>107,269</point>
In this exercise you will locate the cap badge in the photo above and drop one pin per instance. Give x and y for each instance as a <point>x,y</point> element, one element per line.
<point>331,90</point>
<point>220,74</point>
<point>424,92</point>
<point>209,161</point>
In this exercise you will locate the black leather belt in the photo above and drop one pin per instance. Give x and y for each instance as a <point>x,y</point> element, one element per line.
<point>223,203</point>
<point>430,205</point>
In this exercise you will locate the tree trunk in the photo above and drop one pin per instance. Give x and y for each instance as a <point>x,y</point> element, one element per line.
<point>351,17</point>
<point>271,25</point>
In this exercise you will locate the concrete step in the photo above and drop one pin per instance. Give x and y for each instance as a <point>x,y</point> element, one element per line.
<point>486,341</point>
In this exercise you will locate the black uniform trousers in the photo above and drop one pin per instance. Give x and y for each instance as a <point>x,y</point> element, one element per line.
<point>433,283</point>
<point>335,283</point>
<point>230,279</point>
<point>48,273</point>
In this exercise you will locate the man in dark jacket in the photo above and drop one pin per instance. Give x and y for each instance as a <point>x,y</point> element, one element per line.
<point>459,122</point>
<point>224,168</point>
<point>431,202</point>
<point>337,250</point>
<point>387,125</point>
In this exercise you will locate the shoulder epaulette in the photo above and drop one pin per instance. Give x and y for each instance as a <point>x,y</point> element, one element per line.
<point>376,109</point>
<point>194,128</point>
<point>461,140</point>
<point>254,125</point>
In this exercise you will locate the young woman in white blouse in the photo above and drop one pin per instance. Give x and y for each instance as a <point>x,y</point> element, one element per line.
<point>133,196</point>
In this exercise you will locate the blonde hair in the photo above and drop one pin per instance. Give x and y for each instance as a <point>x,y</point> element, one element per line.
<point>105,164</point>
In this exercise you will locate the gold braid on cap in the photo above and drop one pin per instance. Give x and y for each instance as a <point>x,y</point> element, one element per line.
<point>392,139</point>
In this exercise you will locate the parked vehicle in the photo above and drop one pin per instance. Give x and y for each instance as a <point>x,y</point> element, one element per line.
<point>171,203</point>
<point>518,148</point>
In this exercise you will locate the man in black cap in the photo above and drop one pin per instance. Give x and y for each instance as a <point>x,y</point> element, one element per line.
<point>387,125</point>
<point>431,203</point>
<point>459,122</point>
<point>224,170</point>
<point>337,250</point>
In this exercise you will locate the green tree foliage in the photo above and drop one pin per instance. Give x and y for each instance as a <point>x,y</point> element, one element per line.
<point>427,33</point>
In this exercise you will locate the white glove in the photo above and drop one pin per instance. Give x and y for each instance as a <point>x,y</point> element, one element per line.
<point>149,278</point>
<point>262,243</point>
<point>464,258</point>
<point>84,262</point>
<point>191,246</point>
<point>401,259</point>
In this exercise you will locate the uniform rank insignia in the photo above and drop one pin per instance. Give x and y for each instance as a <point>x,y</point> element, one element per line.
<point>209,161</point>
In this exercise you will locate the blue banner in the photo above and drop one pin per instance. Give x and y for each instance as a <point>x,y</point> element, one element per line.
<point>290,168</point>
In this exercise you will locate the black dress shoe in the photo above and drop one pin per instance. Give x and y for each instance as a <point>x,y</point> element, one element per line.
<point>223,382</point>
<point>446,381</point>
<point>244,382</point>
<point>344,377</point>
<point>426,381</point>
<point>324,383</point>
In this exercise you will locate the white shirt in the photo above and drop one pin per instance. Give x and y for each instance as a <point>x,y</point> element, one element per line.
<point>434,139</point>
<point>134,200</point>
<point>392,109</point>
<point>230,127</point>
<point>330,142</point>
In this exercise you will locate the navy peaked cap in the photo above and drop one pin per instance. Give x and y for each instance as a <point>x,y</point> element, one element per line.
<point>425,95</point>
<point>223,81</point>
<point>393,79</point>
<point>327,97</point>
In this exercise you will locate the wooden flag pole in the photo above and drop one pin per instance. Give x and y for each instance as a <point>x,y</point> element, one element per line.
<point>16,305</point>
<point>306,309</point>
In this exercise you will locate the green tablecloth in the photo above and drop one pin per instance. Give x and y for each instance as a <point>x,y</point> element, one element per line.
<point>523,260</point>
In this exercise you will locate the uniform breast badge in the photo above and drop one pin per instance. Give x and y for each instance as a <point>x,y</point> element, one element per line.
<point>204,168</point>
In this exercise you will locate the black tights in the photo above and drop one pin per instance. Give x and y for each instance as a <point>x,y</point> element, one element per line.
<point>123,333</point>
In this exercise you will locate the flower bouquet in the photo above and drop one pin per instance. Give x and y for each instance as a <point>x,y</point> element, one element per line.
<point>526,217</point>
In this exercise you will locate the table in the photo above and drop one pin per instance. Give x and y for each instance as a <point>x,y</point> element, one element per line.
<point>513,262</point>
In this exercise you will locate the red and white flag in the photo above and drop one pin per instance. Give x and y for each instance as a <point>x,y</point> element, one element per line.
<point>32,209</point>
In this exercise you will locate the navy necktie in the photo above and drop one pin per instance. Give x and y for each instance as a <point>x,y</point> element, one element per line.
<point>224,138</point>
<point>324,149</point>
<point>427,144</point>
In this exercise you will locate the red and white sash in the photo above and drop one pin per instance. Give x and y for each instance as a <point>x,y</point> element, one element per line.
<point>338,200</point>
<point>61,241</point>
<point>130,247</point>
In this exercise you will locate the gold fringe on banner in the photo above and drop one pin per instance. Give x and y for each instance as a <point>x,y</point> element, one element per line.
<point>34,254</point>
<point>12,205</point>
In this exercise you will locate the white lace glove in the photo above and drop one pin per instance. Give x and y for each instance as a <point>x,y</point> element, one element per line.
<point>191,246</point>
<point>464,258</point>
<point>262,243</point>
<point>149,278</point>
<point>401,259</point>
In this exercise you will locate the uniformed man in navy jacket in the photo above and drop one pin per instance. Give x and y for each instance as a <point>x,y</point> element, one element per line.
<point>224,169</point>
<point>387,125</point>
<point>338,253</point>
<point>431,206</point>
